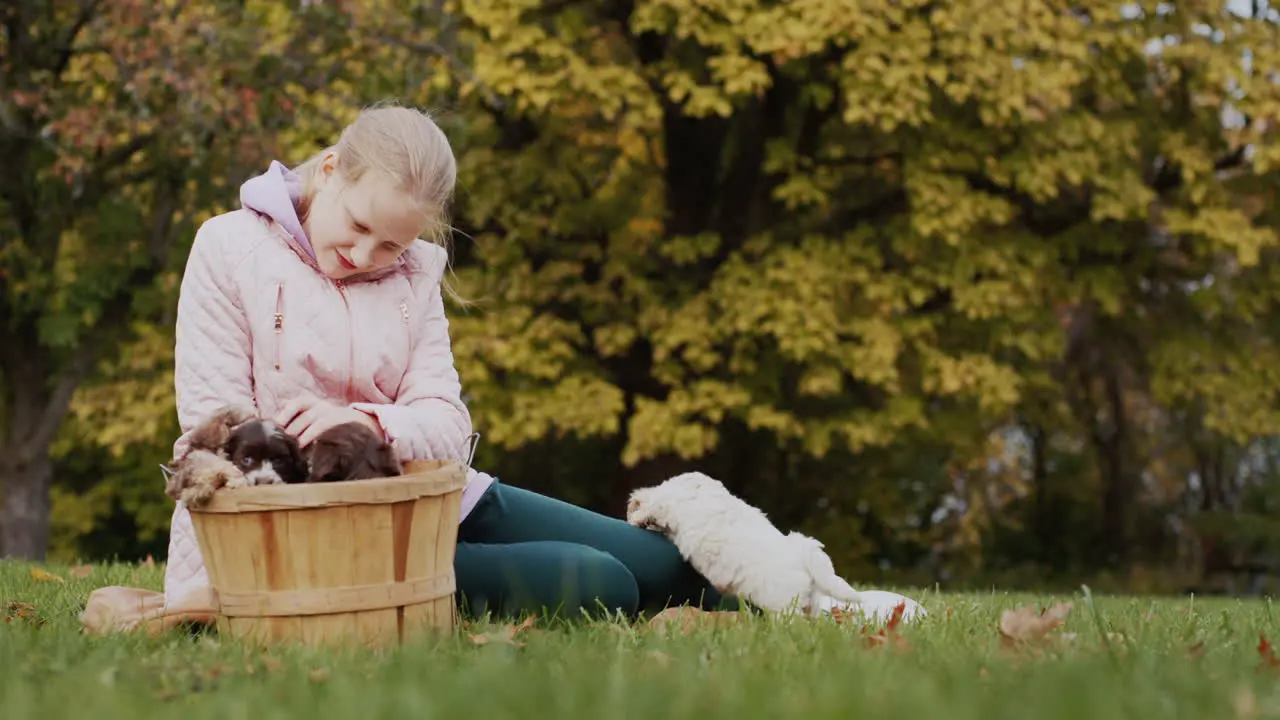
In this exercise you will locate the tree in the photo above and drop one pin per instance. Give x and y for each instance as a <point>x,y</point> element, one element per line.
<point>116,118</point>
<point>787,223</point>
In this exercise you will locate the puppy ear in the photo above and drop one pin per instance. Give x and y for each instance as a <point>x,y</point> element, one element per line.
<point>637,511</point>
<point>326,464</point>
<point>297,472</point>
<point>215,430</point>
<point>388,464</point>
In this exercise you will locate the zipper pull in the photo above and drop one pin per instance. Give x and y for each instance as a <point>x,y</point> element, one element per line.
<point>279,320</point>
<point>404,312</point>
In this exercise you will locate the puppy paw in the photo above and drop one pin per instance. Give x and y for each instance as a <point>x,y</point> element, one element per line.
<point>197,495</point>
<point>204,473</point>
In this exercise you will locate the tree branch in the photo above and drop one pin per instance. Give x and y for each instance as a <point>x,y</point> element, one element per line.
<point>427,47</point>
<point>95,184</point>
<point>66,41</point>
<point>55,408</point>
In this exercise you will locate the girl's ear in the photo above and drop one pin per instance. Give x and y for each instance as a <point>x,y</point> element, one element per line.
<point>326,168</point>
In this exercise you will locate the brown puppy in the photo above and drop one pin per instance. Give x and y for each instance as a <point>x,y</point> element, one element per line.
<point>350,451</point>
<point>204,467</point>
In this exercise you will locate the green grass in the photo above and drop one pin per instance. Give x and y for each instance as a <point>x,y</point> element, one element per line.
<point>953,666</point>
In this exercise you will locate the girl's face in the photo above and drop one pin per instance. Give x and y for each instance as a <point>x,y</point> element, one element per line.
<point>362,227</point>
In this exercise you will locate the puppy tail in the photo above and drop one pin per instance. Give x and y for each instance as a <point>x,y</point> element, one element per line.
<point>818,564</point>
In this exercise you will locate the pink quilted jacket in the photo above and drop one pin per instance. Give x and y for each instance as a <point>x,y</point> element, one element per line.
<point>259,323</point>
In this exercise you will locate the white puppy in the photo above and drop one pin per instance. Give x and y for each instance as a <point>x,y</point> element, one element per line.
<point>737,549</point>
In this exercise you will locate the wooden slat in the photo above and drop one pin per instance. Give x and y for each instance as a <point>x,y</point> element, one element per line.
<point>323,601</point>
<point>421,479</point>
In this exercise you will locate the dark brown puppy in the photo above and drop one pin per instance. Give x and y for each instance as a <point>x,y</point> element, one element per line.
<point>350,451</point>
<point>266,454</point>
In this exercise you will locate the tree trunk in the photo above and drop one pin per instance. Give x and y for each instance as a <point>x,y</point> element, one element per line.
<point>1110,443</point>
<point>1046,517</point>
<point>24,518</point>
<point>36,396</point>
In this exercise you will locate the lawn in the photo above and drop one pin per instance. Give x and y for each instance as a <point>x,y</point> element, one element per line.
<point>1113,657</point>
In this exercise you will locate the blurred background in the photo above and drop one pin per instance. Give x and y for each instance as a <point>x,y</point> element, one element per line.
<point>980,292</point>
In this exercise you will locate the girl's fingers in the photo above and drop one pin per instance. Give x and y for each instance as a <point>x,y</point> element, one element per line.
<point>291,411</point>
<point>302,421</point>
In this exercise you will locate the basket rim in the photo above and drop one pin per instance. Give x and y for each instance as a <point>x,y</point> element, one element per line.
<point>422,478</point>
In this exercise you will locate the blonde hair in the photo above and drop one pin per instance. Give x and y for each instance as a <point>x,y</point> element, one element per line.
<point>403,144</point>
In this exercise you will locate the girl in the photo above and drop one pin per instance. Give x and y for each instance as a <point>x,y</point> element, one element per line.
<point>318,304</point>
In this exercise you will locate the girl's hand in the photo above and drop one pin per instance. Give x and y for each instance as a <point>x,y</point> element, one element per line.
<point>306,418</point>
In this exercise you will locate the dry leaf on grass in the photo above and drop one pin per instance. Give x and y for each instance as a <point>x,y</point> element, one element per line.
<point>22,612</point>
<point>660,658</point>
<point>504,635</point>
<point>1245,703</point>
<point>888,635</point>
<point>1266,653</point>
<point>271,664</point>
<point>80,572</point>
<point>41,575</point>
<point>689,618</point>
<point>1196,651</point>
<point>1029,626</point>
<point>319,675</point>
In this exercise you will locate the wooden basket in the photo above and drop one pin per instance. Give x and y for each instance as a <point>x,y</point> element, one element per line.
<point>366,562</point>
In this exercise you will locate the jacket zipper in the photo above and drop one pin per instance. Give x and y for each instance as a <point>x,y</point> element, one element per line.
<point>351,345</point>
<point>279,322</point>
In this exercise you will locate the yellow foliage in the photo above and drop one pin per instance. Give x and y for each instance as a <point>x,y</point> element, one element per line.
<point>831,222</point>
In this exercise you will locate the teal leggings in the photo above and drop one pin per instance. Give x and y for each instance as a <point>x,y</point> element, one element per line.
<point>520,552</point>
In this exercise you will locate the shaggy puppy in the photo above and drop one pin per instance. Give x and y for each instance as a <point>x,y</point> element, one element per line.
<point>736,548</point>
<point>203,467</point>
<point>350,451</point>
<point>265,454</point>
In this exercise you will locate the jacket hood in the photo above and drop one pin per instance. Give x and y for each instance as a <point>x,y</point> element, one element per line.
<point>275,194</point>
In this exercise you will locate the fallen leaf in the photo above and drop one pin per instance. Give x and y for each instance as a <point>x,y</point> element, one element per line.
<point>888,635</point>
<point>661,658</point>
<point>840,614</point>
<point>1266,653</point>
<point>270,663</point>
<point>80,572</point>
<point>25,612</point>
<point>41,575</point>
<point>506,634</point>
<point>1245,703</point>
<point>318,675</point>
<point>1196,651</point>
<point>1026,625</point>
<point>690,618</point>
